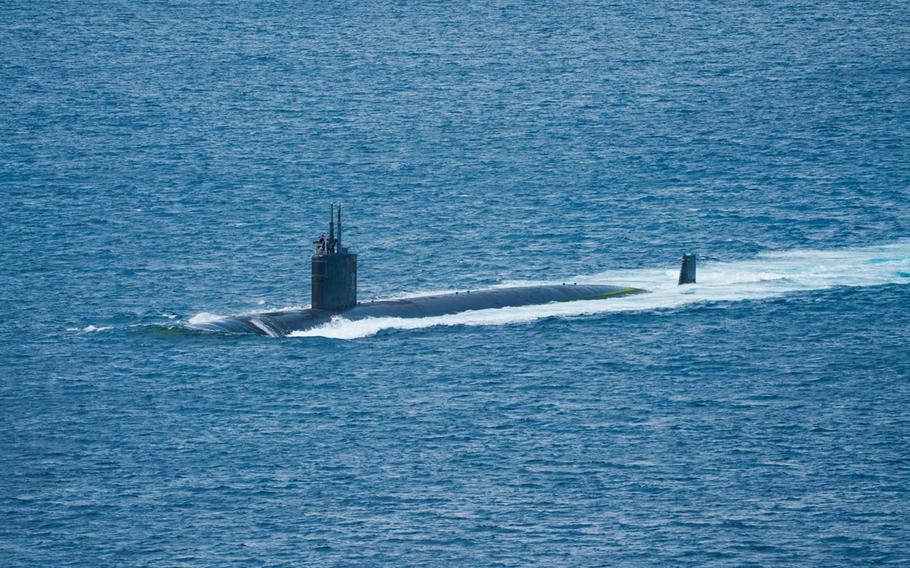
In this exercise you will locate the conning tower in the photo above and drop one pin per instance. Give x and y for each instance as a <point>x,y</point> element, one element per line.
<point>334,271</point>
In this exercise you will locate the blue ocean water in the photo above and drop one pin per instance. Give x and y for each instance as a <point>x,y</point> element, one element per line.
<point>164,162</point>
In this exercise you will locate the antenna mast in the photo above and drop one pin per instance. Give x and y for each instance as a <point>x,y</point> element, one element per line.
<point>331,248</point>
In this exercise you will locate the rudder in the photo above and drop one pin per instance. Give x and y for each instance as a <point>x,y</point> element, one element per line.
<point>687,270</point>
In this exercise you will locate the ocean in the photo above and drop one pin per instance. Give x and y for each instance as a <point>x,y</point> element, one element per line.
<point>165,163</point>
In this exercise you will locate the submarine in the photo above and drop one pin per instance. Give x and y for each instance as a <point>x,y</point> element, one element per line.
<point>334,294</point>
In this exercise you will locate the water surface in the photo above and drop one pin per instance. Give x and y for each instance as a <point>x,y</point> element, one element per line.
<point>165,161</point>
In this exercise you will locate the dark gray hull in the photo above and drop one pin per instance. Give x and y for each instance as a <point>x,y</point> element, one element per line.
<point>284,322</point>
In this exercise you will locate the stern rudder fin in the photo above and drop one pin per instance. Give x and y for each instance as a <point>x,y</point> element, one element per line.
<point>687,270</point>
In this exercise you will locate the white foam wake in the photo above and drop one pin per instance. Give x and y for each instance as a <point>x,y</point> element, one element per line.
<point>90,328</point>
<point>765,276</point>
<point>204,318</point>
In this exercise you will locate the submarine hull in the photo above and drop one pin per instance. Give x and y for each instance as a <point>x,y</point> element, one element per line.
<point>281,323</point>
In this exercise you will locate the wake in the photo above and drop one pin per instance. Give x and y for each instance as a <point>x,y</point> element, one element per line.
<point>766,276</point>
